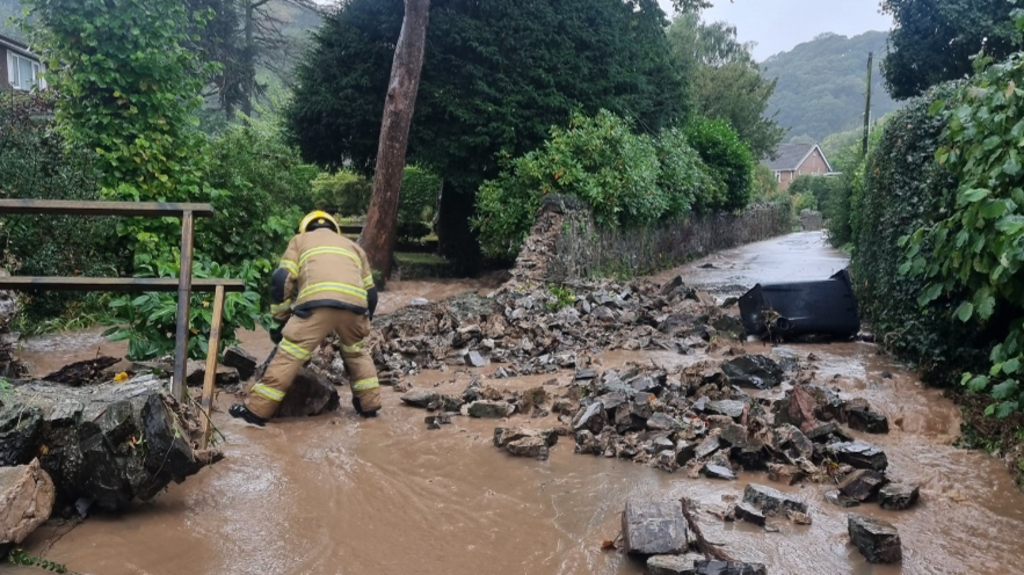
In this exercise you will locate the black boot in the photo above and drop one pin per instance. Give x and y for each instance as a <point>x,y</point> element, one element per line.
<point>359,409</point>
<point>242,412</point>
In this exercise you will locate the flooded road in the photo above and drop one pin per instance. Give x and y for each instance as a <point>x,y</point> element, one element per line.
<point>340,495</point>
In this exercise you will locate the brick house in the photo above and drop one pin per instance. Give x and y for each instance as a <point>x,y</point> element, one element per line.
<point>798,160</point>
<point>19,67</point>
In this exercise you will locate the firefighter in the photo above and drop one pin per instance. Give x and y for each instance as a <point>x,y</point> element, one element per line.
<point>322,285</point>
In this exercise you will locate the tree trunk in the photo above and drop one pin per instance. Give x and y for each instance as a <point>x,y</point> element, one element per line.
<point>378,237</point>
<point>250,51</point>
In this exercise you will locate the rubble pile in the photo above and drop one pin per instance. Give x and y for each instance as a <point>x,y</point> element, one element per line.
<point>102,445</point>
<point>532,330</point>
<point>706,424</point>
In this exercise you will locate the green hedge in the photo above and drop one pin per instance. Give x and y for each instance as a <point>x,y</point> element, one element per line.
<point>906,189</point>
<point>729,159</point>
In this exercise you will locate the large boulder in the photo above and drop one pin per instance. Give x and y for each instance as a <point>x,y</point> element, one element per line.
<point>106,444</point>
<point>877,540</point>
<point>310,394</point>
<point>26,499</point>
<point>654,528</point>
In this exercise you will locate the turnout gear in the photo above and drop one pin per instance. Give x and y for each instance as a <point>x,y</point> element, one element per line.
<point>322,286</point>
<point>318,220</point>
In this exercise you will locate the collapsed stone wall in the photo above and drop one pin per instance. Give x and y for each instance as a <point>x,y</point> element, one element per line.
<point>565,244</point>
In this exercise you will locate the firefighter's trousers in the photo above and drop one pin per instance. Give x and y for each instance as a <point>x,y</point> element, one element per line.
<point>299,338</point>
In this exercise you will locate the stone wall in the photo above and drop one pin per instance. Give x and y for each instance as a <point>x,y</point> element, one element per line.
<point>565,243</point>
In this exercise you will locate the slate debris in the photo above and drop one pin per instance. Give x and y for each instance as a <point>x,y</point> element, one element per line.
<point>898,496</point>
<point>651,527</point>
<point>877,540</point>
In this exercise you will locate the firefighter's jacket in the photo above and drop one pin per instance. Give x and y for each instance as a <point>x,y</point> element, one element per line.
<point>322,268</point>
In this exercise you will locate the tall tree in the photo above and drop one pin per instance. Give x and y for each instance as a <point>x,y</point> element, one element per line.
<point>725,81</point>
<point>378,236</point>
<point>933,40</point>
<point>495,79</point>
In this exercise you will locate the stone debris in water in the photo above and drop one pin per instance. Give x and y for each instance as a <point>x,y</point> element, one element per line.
<point>673,564</point>
<point>877,540</point>
<point>898,496</point>
<point>420,397</point>
<point>490,409</point>
<point>838,499</point>
<point>111,443</point>
<point>729,568</point>
<point>311,394</point>
<point>525,442</point>
<point>652,527</point>
<point>755,371</point>
<point>862,485</point>
<point>750,514</point>
<point>26,499</point>
<point>241,360</point>
<point>860,455</point>
<point>771,501</point>
<point>713,471</point>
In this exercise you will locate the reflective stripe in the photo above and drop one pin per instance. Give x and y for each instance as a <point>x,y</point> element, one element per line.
<point>292,267</point>
<point>364,384</point>
<point>368,282</point>
<point>268,392</point>
<point>280,307</point>
<point>294,350</point>
<point>328,250</point>
<point>358,346</point>
<point>331,286</point>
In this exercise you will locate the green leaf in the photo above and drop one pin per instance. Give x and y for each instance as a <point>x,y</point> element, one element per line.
<point>933,291</point>
<point>965,311</point>
<point>1011,224</point>
<point>977,384</point>
<point>1011,366</point>
<point>1012,167</point>
<point>1005,409</point>
<point>985,306</point>
<point>1005,389</point>
<point>975,195</point>
<point>936,107</point>
<point>993,209</point>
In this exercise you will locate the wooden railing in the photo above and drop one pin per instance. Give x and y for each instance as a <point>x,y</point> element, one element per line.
<point>184,284</point>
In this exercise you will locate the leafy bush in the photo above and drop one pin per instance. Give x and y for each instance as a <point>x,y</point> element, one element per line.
<point>687,181</point>
<point>766,185</point>
<point>36,163</point>
<point>343,192</point>
<point>970,256</point>
<point>905,190</point>
<point>596,159</point>
<point>728,157</point>
<point>819,188</point>
<point>418,202</point>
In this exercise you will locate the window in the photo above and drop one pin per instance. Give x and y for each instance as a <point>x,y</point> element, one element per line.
<point>22,72</point>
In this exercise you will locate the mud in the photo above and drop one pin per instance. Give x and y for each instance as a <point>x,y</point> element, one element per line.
<point>338,494</point>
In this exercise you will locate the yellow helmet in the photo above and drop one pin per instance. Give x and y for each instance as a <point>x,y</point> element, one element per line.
<point>316,220</point>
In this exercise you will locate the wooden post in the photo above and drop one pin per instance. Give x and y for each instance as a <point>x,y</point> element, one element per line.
<point>211,365</point>
<point>184,295</point>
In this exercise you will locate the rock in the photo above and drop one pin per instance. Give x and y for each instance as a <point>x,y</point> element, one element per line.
<point>793,442</point>
<point>877,540</point>
<point>786,358</point>
<point>673,564</point>
<point>862,418</point>
<point>310,394</point>
<point>771,501</point>
<point>486,409</point>
<point>436,421</point>
<point>755,371</point>
<point>685,452</point>
<point>419,301</point>
<point>593,418</point>
<point>505,435</point>
<point>840,500</point>
<point>728,407</point>
<point>528,447</point>
<point>798,518</point>
<point>89,440</point>
<point>244,362</point>
<point>713,471</point>
<point>788,474</point>
<point>585,374</point>
<point>662,422</point>
<point>733,435</point>
<point>751,456</point>
<point>709,446</point>
<point>418,397</point>
<point>860,455</point>
<point>654,528</point>
<point>474,359</point>
<point>26,499</point>
<point>729,568</point>
<point>747,512</point>
<point>898,496</point>
<point>862,484</point>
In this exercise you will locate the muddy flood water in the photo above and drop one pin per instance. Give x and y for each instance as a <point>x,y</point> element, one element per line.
<point>339,495</point>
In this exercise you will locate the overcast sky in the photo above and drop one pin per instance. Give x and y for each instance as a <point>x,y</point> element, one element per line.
<point>779,25</point>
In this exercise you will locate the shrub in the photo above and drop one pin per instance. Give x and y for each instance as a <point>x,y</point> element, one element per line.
<point>687,181</point>
<point>596,159</point>
<point>343,192</point>
<point>970,256</point>
<point>418,202</point>
<point>36,163</point>
<point>728,157</point>
<point>766,185</point>
<point>905,190</point>
<point>819,188</point>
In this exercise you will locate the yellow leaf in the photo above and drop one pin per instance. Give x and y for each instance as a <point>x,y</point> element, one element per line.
<point>43,450</point>
<point>1010,88</point>
<point>121,377</point>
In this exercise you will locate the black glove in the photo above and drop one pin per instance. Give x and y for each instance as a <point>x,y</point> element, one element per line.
<point>275,334</point>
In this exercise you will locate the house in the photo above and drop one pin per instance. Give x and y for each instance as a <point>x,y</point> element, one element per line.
<point>19,66</point>
<point>797,160</point>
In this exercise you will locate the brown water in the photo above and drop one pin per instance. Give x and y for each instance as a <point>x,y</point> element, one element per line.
<point>340,495</point>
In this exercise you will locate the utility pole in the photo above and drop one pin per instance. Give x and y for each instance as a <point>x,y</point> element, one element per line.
<point>867,107</point>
